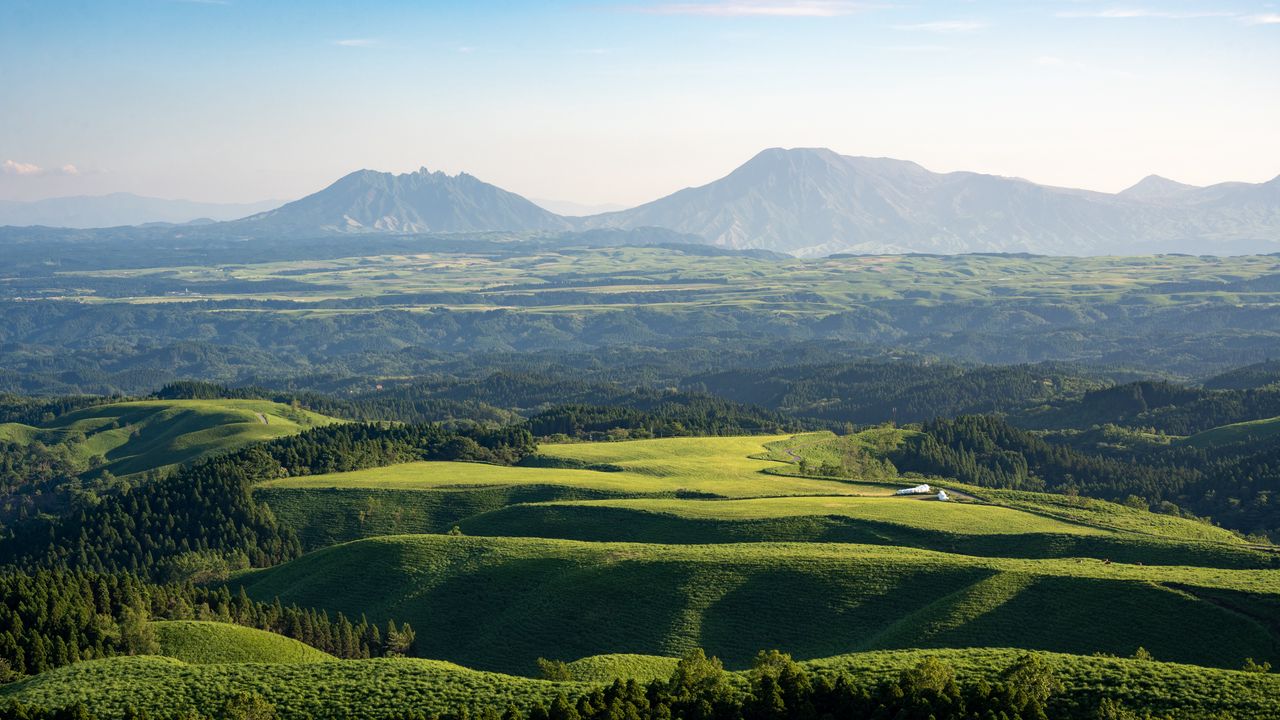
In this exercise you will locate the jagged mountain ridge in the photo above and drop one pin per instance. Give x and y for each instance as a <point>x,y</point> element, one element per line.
<point>417,202</point>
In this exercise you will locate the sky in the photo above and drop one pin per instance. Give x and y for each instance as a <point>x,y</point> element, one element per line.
<point>623,102</point>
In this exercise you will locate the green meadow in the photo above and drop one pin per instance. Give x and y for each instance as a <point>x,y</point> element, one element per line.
<point>500,603</point>
<point>204,642</point>
<point>127,438</point>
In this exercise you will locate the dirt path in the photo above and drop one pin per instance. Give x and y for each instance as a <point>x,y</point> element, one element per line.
<point>262,418</point>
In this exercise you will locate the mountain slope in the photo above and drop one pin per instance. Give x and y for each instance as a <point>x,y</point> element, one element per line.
<point>422,201</point>
<point>814,202</point>
<point>119,209</point>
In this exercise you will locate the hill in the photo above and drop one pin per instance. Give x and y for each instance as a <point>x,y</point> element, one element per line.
<point>385,688</point>
<point>499,603</point>
<point>732,489</point>
<point>133,437</point>
<point>418,202</point>
<point>201,643</point>
<point>812,201</point>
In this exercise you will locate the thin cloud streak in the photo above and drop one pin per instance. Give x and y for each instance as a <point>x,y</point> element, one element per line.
<point>944,27</point>
<point>356,42</point>
<point>758,8</point>
<point>1140,13</point>
<point>24,169</point>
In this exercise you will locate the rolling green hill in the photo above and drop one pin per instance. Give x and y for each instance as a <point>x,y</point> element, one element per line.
<point>133,437</point>
<point>1251,431</point>
<point>199,642</point>
<point>376,689</point>
<point>499,603</point>
<point>708,490</point>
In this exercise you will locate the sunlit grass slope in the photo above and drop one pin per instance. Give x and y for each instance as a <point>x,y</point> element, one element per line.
<point>133,437</point>
<point>376,689</point>
<point>499,603</point>
<point>201,642</point>
<point>708,490</point>
<point>1251,431</point>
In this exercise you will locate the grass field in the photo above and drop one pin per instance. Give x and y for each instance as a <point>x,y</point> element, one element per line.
<point>133,437</point>
<point>1252,431</point>
<point>200,642</point>
<point>499,603</point>
<point>710,490</point>
<point>376,689</point>
<point>709,466</point>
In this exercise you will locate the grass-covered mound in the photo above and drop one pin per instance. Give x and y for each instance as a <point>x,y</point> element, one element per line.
<point>133,437</point>
<point>709,522</point>
<point>375,689</point>
<point>500,603</point>
<point>200,642</point>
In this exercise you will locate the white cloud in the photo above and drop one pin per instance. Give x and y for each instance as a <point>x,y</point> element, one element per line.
<point>1264,19</point>
<point>758,8</point>
<point>944,26</point>
<point>356,42</point>
<point>13,167</point>
<point>1120,13</point>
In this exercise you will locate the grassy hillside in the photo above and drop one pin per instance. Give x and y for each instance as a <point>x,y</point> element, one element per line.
<point>499,603</point>
<point>133,437</point>
<point>646,521</point>
<point>375,689</point>
<point>1252,431</point>
<point>200,642</point>
<point>708,490</point>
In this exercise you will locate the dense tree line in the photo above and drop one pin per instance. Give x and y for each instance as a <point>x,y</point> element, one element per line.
<point>207,511</point>
<point>53,618</point>
<point>903,391</point>
<point>1237,485</point>
<point>777,688</point>
<point>1164,407</point>
<point>681,416</point>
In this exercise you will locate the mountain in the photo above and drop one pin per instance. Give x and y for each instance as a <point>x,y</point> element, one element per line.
<point>1154,187</point>
<point>117,209</point>
<point>422,201</point>
<point>817,202</point>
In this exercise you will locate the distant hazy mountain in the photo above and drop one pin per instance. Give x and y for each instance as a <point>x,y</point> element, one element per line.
<point>816,202</point>
<point>119,209</point>
<point>573,209</point>
<point>422,201</point>
<point>1154,187</point>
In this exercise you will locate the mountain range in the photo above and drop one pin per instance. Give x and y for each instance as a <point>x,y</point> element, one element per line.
<point>119,209</point>
<point>813,202</point>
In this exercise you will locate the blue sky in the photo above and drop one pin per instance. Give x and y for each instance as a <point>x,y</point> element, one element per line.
<point>621,102</point>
